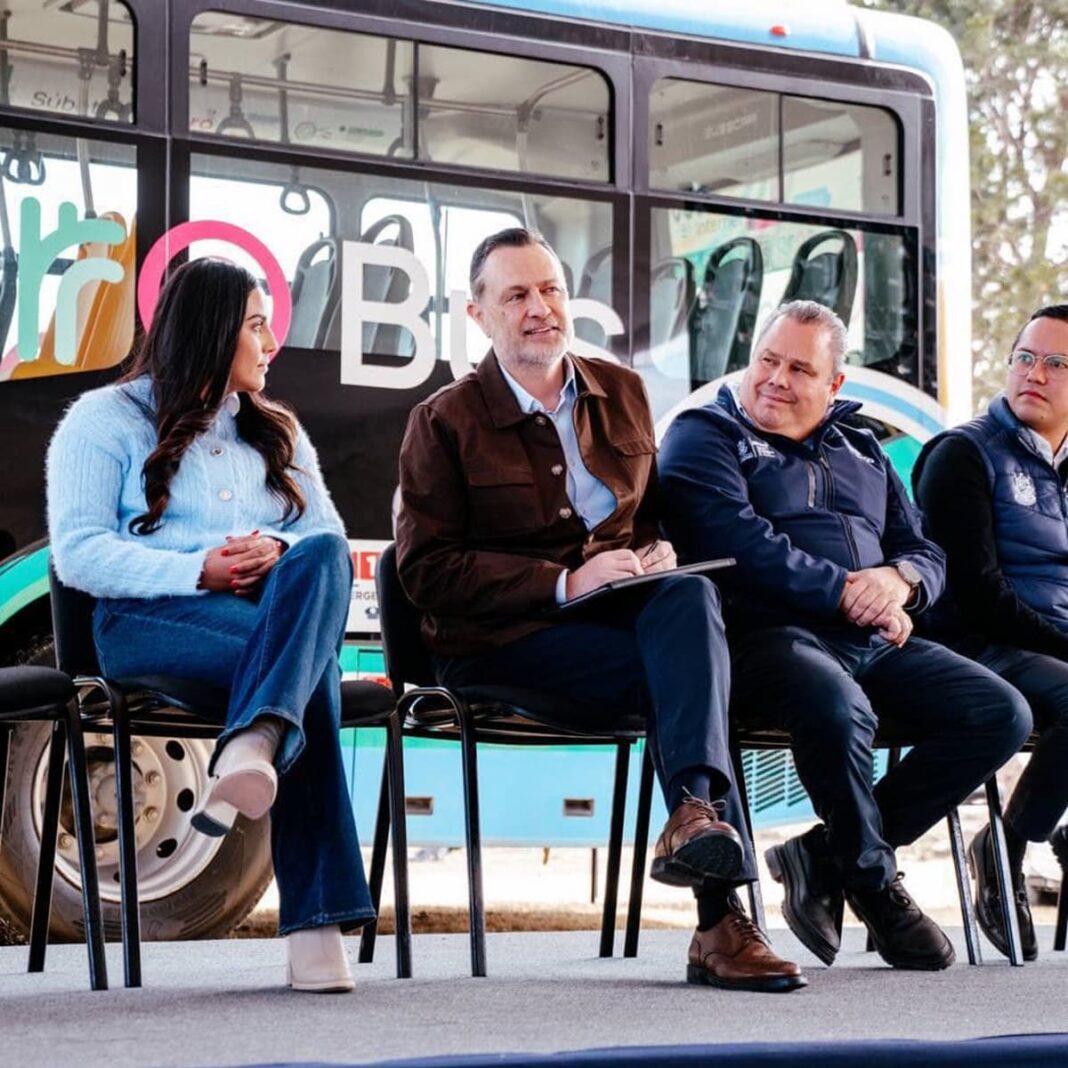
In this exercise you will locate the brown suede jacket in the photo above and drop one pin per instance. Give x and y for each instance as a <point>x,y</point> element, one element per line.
<point>486,526</point>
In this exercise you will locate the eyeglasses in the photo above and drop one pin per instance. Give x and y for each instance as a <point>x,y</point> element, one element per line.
<point>1055,363</point>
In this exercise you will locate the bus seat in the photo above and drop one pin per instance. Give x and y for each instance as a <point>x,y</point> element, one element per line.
<point>105,315</point>
<point>724,316</point>
<point>313,290</point>
<point>670,299</point>
<point>828,277</point>
<point>885,328</point>
<point>596,280</point>
<point>384,284</point>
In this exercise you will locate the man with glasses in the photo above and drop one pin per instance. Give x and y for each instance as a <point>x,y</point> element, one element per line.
<point>995,493</point>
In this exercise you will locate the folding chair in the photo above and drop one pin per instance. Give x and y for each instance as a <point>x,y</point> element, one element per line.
<point>169,706</point>
<point>751,738</point>
<point>42,693</point>
<point>505,715</point>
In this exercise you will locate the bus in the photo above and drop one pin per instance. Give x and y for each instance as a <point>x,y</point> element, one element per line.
<point>693,165</point>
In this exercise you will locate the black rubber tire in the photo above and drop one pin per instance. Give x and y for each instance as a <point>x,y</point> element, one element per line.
<point>208,906</point>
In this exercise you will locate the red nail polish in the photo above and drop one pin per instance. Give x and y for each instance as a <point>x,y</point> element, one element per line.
<point>224,552</point>
<point>233,568</point>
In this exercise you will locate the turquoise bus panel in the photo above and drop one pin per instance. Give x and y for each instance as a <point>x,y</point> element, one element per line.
<point>23,579</point>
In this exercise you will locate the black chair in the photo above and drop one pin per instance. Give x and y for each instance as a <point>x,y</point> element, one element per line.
<point>825,274</point>
<point>42,693</point>
<point>504,715</point>
<point>167,706</point>
<point>760,739</point>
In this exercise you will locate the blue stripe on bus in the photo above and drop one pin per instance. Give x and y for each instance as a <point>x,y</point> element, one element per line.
<point>898,404</point>
<point>823,28</point>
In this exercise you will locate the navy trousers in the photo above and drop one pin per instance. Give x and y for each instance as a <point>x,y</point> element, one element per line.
<point>1041,796</point>
<point>665,658</point>
<point>830,691</point>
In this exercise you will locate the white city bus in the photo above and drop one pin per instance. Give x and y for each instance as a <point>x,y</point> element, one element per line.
<point>693,164</point>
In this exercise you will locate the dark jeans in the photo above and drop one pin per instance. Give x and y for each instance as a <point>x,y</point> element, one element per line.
<point>665,659</point>
<point>1041,796</point>
<point>278,655</point>
<point>830,691</point>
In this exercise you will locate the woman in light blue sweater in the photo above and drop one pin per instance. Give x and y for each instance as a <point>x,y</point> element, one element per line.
<point>193,508</point>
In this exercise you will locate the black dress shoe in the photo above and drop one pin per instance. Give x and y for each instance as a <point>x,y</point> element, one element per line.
<point>1059,841</point>
<point>988,900</point>
<point>812,900</point>
<point>903,935</point>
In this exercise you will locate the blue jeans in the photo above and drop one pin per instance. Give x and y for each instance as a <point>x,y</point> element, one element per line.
<point>277,653</point>
<point>665,659</point>
<point>1041,796</point>
<point>830,691</point>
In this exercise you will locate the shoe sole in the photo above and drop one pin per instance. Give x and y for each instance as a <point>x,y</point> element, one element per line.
<point>321,986</point>
<point>782,871</point>
<point>777,984</point>
<point>716,857</point>
<point>982,917</point>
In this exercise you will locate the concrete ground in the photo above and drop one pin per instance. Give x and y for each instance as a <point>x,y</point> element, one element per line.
<point>222,1003</point>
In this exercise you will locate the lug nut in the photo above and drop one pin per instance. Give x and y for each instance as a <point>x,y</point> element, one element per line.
<point>136,747</point>
<point>65,841</point>
<point>151,814</point>
<point>152,778</point>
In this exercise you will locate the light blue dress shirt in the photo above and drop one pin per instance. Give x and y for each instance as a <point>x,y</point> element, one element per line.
<point>591,498</point>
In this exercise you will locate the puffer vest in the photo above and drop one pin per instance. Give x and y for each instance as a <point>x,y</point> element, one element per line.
<point>1030,502</point>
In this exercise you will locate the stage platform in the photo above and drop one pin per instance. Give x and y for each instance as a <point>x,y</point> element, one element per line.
<point>222,1003</point>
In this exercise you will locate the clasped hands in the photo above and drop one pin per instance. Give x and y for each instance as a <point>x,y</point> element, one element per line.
<point>875,597</point>
<point>620,564</point>
<point>240,564</point>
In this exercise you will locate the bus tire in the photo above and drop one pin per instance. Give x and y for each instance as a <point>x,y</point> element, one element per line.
<point>190,886</point>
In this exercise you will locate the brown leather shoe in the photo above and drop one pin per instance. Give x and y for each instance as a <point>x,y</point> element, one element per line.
<point>696,845</point>
<point>736,955</point>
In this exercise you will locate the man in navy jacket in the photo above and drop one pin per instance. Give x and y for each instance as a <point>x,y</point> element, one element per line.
<point>995,494</point>
<point>831,566</point>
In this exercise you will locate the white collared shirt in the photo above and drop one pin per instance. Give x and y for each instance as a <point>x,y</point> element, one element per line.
<point>591,498</point>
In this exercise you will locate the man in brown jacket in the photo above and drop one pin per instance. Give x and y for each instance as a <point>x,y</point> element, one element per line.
<point>531,482</point>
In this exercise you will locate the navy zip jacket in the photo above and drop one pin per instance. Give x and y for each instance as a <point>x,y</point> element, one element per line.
<point>797,515</point>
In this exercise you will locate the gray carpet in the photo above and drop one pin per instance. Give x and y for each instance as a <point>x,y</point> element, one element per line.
<point>217,1003</point>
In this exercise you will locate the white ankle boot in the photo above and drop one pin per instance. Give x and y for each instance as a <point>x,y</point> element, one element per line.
<point>317,961</point>
<point>244,779</point>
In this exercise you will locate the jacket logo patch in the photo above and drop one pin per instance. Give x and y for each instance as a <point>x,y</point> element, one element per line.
<point>1023,489</point>
<point>749,447</point>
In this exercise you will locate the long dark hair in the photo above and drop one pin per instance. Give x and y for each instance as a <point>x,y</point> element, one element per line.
<point>187,353</point>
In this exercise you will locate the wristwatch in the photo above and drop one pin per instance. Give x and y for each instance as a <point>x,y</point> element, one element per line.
<point>912,576</point>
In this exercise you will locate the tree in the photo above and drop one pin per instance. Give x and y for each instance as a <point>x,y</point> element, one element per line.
<point>1015,56</point>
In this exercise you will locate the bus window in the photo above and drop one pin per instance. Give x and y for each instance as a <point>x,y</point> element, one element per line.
<point>704,317</point>
<point>714,139</point>
<point>839,156</point>
<point>762,146</point>
<point>439,224</point>
<point>285,82</point>
<point>480,109</point>
<point>72,58</point>
<point>52,323</point>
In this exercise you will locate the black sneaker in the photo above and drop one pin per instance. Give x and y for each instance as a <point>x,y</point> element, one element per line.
<point>988,900</point>
<point>903,935</point>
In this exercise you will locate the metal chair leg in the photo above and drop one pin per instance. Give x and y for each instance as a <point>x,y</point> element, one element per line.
<point>402,910</point>
<point>477,908</point>
<point>756,898</point>
<point>641,847</point>
<point>1004,874</point>
<point>131,916</point>
<point>615,850</point>
<point>964,888</point>
<point>1060,934</point>
<point>378,864</point>
<point>46,861</point>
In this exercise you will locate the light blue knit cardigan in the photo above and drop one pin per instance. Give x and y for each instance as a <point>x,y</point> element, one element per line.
<point>95,488</point>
